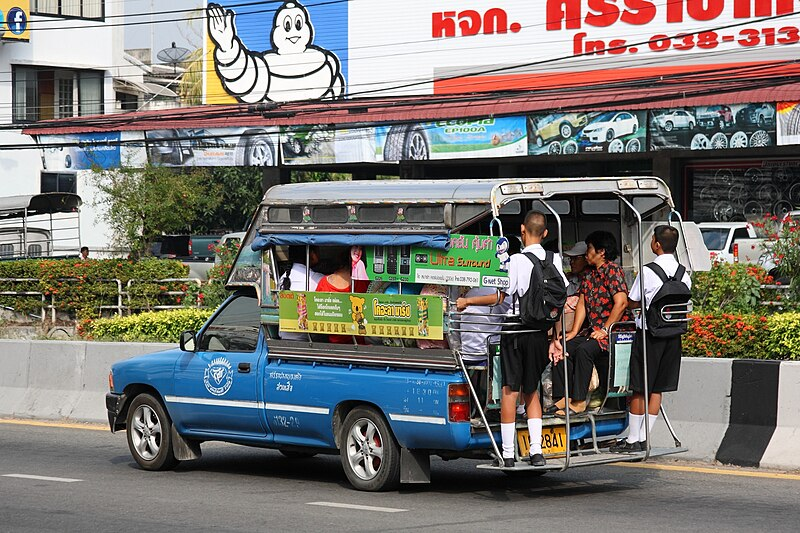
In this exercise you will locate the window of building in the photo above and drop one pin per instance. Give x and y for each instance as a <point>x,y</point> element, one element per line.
<point>46,93</point>
<point>85,9</point>
<point>59,182</point>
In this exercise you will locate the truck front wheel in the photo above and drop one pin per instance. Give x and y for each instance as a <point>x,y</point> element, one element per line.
<point>370,455</point>
<point>149,434</point>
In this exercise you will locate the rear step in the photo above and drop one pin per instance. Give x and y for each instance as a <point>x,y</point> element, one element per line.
<point>585,458</point>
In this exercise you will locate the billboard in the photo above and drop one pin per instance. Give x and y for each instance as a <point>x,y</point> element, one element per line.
<point>325,50</point>
<point>788,123</point>
<point>572,133</point>
<point>212,147</point>
<point>81,151</point>
<point>715,127</point>
<point>15,20</point>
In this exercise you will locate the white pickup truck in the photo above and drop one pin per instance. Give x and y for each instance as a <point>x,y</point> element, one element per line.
<point>734,242</point>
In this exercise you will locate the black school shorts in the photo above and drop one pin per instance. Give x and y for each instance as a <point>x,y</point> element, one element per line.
<point>523,358</point>
<point>663,363</point>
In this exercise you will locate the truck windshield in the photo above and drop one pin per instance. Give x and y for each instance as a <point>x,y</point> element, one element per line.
<point>715,238</point>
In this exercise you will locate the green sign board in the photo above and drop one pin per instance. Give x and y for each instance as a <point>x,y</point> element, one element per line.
<point>380,315</point>
<point>471,261</point>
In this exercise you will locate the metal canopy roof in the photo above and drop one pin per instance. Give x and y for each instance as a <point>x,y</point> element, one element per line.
<point>39,204</point>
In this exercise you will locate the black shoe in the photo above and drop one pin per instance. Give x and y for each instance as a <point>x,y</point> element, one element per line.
<point>537,459</point>
<point>626,447</point>
<point>505,462</point>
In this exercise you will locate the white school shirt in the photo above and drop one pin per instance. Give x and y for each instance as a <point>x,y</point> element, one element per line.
<point>652,283</point>
<point>520,268</point>
<point>473,341</point>
<point>297,275</point>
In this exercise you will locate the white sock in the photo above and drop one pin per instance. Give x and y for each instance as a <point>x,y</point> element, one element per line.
<point>507,432</point>
<point>535,432</point>
<point>634,427</point>
<point>651,421</point>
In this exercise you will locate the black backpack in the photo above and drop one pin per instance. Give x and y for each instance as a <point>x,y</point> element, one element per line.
<point>541,306</point>
<point>673,292</point>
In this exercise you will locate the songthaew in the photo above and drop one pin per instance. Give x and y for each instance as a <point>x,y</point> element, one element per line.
<point>365,357</point>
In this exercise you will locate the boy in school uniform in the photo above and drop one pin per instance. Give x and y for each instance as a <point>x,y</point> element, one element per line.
<point>663,354</point>
<point>523,356</point>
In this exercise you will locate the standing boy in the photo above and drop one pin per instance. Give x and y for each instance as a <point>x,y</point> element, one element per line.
<point>523,356</point>
<point>663,353</point>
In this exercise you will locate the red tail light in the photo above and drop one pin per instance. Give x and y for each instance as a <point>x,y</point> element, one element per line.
<point>735,252</point>
<point>458,407</point>
<point>190,246</point>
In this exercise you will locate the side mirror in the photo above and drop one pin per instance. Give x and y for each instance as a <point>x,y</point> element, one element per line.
<point>188,341</point>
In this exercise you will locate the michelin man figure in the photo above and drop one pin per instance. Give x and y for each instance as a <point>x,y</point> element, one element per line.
<point>501,252</point>
<point>294,69</point>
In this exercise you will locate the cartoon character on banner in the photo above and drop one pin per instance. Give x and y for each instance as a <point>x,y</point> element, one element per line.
<point>422,323</point>
<point>293,70</point>
<point>357,314</point>
<point>501,252</point>
<point>359,270</point>
<point>302,312</point>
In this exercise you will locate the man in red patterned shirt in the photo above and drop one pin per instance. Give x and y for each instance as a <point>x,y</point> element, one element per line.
<point>603,301</point>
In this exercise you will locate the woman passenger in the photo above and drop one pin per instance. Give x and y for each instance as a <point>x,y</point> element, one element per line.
<point>603,300</point>
<point>340,281</point>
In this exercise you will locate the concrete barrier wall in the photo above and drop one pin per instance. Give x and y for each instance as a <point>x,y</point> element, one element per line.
<point>738,412</point>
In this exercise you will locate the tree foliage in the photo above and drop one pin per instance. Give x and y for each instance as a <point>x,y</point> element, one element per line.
<point>139,204</point>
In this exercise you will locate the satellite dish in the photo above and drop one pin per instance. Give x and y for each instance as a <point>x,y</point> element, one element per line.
<point>173,55</point>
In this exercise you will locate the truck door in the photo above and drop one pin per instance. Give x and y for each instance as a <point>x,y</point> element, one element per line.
<point>216,386</point>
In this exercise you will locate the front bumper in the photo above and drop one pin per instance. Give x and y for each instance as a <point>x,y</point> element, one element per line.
<point>115,404</point>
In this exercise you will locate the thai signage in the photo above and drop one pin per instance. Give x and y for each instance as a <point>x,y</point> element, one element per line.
<point>471,261</point>
<point>81,151</point>
<point>361,314</point>
<point>305,50</point>
<point>14,20</point>
<point>714,127</point>
<point>572,133</point>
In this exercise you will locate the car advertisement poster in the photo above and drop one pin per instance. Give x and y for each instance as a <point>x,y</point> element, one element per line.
<point>572,133</point>
<point>304,145</point>
<point>788,123</point>
<point>81,152</point>
<point>716,127</point>
<point>471,261</point>
<point>451,139</point>
<point>406,316</point>
<point>303,50</point>
<point>233,147</point>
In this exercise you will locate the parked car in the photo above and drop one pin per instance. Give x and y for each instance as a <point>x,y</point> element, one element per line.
<point>609,126</point>
<point>676,119</point>
<point>198,252</point>
<point>721,237</point>
<point>760,115</point>
<point>715,116</point>
<point>558,125</point>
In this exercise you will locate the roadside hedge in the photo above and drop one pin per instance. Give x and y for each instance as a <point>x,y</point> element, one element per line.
<point>150,326</point>
<point>77,287</point>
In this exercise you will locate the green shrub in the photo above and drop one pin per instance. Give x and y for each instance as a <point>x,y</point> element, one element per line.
<point>783,336</point>
<point>727,335</point>
<point>730,287</point>
<point>151,326</point>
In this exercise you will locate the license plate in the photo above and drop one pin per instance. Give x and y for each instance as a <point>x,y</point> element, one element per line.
<point>554,441</point>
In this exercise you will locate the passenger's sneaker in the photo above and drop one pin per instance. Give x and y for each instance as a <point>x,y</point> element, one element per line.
<point>537,459</point>
<point>505,462</point>
<point>626,447</point>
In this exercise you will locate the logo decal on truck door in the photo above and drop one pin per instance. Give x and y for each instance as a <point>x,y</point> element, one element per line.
<point>218,377</point>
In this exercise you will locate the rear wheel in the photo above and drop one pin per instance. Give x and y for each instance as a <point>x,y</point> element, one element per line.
<point>149,434</point>
<point>370,455</point>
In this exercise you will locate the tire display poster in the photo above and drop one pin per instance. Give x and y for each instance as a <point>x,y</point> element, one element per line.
<point>211,147</point>
<point>788,123</point>
<point>81,151</point>
<point>452,139</point>
<point>572,133</point>
<point>471,261</point>
<point>363,314</point>
<point>716,127</point>
<point>304,145</point>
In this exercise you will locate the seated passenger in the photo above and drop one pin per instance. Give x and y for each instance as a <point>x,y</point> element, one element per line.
<point>340,281</point>
<point>294,279</point>
<point>603,300</point>
<point>577,271</point>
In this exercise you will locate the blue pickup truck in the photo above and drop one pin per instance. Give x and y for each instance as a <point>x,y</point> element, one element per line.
<point>399,391</point>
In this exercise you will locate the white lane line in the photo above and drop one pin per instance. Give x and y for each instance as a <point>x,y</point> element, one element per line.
<point>358,507</point>
<point>43,478</point>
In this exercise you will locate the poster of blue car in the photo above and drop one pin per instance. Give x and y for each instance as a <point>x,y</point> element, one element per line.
<point>572,133</point>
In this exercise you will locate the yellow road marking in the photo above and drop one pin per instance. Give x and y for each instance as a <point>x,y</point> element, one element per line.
<point>40,423</point>
<point>711,470</point>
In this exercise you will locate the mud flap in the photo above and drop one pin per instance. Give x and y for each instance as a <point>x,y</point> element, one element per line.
<point>184,450</point>
<point>415,466</point>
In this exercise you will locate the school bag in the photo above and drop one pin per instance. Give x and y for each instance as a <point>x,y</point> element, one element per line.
<point>673,292</point>
<point>541,306</point>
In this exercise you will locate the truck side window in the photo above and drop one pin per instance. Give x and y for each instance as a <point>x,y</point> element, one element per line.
<point>739,233</point>
<point>235,328</point>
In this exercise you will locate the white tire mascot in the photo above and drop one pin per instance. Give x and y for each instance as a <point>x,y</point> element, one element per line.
<point>293,70</point>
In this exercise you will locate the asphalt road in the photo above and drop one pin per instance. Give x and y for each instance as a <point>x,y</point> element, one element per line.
<point>96,487</point>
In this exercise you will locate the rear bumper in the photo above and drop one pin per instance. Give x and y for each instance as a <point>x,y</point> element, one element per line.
<point>115,404</point>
